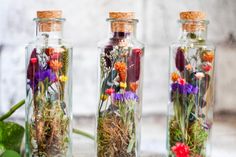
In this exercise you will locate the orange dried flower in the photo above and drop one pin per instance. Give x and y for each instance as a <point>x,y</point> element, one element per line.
<point>133,86</point>
<point>174,76</point>
<point>55,65</point>
<point>207,56</point>
<point>189,67</point>
<point>121,68</point>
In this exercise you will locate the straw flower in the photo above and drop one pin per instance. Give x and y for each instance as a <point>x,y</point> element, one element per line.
<point>175,76</point>
<point>63,78</point>
<point>207,56</point>
<point>55,65</point>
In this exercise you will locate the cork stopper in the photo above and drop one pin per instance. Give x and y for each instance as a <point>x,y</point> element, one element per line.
<point>49,14</point>
<point>50,25</point>
<point>193,17</point>
<point>119,23</point>
<point>122,15</point>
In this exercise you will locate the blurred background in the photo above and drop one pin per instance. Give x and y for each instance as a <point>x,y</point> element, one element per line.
<point>85,25</point>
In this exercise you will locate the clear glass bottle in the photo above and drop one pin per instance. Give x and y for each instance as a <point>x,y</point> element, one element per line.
<point>120,89</point>
<point>48,89</point>
<point>191,101</point>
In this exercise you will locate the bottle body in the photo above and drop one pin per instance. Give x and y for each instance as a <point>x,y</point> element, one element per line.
<point>48,97</point>
<point>120,98</point>
<point>191,97</point>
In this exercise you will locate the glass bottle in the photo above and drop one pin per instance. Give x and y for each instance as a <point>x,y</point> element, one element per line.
<point>191,98</point>
<point>120,89</point>
<point>48,89</point>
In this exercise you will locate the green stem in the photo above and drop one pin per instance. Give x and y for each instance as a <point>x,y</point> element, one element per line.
<point>12,110</point>
<point>22,102</point>
<point>82,133</point>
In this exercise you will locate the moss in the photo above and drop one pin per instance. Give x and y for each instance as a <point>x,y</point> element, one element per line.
<point>195,136</point>
<point>113,137</point>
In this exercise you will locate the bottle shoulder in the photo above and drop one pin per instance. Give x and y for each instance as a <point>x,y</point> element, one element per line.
<point>110,42</point>
<point>38,42</point>
<point>189,44</point>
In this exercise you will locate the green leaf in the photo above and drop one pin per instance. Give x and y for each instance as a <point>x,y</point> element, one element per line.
<point>11,135</point>
<point>2,149</point>
<point>10,153</point>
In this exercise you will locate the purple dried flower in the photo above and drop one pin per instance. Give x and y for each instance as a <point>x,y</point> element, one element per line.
<point>117,97</point>
<point>126,96</point>
<point>130,96</point>
<point>43,74</point>
<point>184,89</point>
<point>180,59</point>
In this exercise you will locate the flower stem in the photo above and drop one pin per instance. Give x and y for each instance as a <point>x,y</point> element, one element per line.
<point>82,133</point>
<point>12,110</point>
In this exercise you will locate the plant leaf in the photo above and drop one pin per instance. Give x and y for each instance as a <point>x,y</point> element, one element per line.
<point>11,135</point>
<point>10,153</point>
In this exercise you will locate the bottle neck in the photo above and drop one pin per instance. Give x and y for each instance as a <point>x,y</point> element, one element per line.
<point>50,28</point>
<point>119,28</point>
<point>193,31</point>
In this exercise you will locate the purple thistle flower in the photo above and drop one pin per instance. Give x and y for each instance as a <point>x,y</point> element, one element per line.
<point>184,89</point>
<point>130,96</point>
<point>126,96</point>
<point>117,97</point>
<point>43,74</point>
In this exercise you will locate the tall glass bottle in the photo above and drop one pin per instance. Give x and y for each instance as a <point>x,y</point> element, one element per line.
<point>48,89</point>
<point>120,98</point>
<point>191,84</point>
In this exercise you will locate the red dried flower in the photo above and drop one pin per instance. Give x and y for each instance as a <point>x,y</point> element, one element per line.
<point>109,91</point>
<point>49,51</point>
<point>33,60</point>
<point>181,81</point>
<point>55,56</point>
<point>181,150</point>
<point>206,67</point>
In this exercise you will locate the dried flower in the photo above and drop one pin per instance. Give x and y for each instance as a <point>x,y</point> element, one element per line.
<point>127,96</point>
<point>175,76</point>
<point>49,51</point>
<point>189,67</point>
<point>130,96</point>
<point>134,62</point>
<point>133,86</point>
<point>180,59</point>
<point>33,60</point>
<point>207,56</point>
<point>103,97</point>
<point>32,67</point>
<point>122,70</point>
<point>41,75</point>
<point>123,85</point>
<point>55,56</point>
<point>63,78</point>
<point>117,97</point>
<point>55,65</point>
<point>181,81</point>
<point>199,75</point>
<point>206,67</point>
<point>109,91</point>
<point>181,150</point>
<point>184,89</point>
